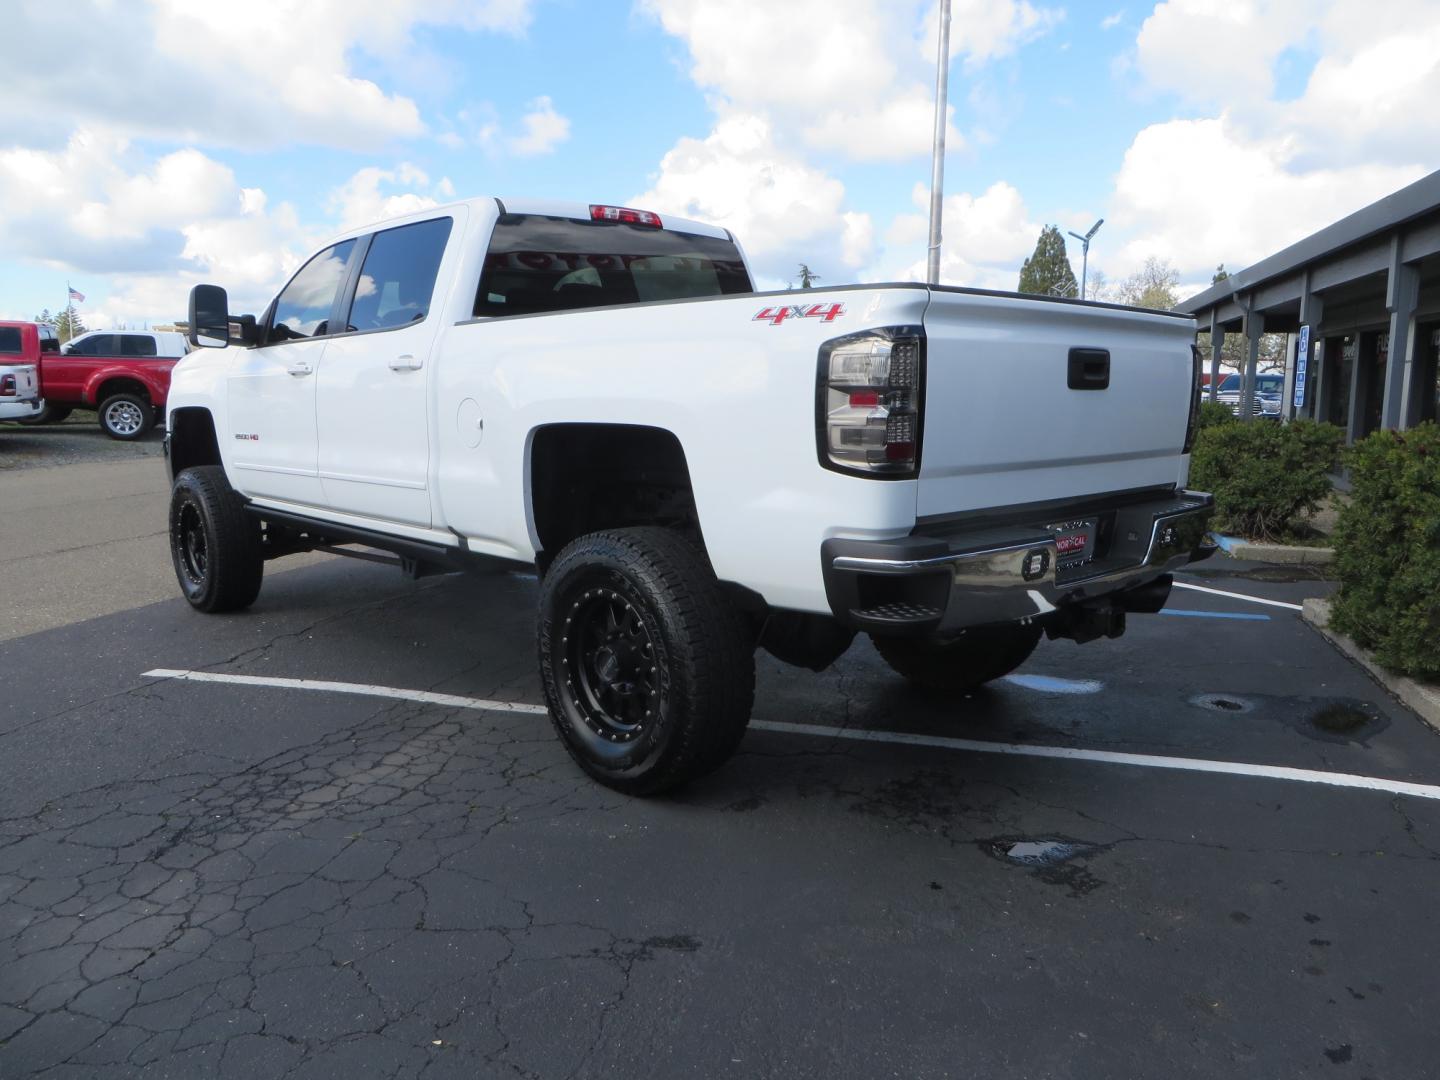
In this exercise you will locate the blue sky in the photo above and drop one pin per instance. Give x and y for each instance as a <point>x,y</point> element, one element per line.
<point>239,136</point>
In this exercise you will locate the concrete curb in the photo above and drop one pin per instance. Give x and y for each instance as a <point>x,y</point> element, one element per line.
<point>1419,697</point>
<point>1280,554</point>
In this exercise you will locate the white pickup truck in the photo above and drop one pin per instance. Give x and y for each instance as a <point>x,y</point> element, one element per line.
<point>696,469</point>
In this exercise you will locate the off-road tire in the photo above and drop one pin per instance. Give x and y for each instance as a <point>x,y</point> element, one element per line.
<point>50,414</point>
<point>643,601</point>
<point>214,543</point>
<point>972,659</point>
<point>126,416</point>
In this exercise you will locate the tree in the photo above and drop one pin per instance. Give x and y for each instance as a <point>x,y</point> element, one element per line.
<point>1152,286</point>
<point>1220,274</point>
<point>1098,287</point>
<point>1048,272</point>
<point>67,323</point>
<point>808,277</point>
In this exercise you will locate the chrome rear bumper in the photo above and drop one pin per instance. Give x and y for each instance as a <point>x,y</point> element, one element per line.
<point>929,584</point>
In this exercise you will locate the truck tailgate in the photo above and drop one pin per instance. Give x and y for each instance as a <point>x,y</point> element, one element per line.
<point>1008,422</point>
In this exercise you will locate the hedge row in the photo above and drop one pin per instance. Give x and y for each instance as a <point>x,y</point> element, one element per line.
<point>1264,475</point>
<point>1387,550</point>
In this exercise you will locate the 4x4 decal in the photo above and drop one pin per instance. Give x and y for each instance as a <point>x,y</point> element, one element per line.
<point>776,315</point>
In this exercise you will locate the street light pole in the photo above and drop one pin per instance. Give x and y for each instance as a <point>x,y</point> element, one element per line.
<point>937,165</point>
<point>1085,253</point>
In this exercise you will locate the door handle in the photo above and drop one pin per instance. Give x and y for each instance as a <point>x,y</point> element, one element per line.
<point>300,367</point>
<point>406,362</point>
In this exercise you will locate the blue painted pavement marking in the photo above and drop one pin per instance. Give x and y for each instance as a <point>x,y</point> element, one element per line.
<point>1216,614</point>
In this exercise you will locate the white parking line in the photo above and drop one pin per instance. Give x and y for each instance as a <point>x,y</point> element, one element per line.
<point>1068,753</point>
<point>1238,596</point>
<point>364,689</point>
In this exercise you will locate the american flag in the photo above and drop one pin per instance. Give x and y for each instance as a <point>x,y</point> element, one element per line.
<point>76,295</point>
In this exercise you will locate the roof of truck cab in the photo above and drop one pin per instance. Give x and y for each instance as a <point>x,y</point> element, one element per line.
<point>546,207</point>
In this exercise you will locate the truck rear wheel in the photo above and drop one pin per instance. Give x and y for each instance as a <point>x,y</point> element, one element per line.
<point>648,669</point>
<point>214,543</point>
<point>126,416</point>
<point>972,659</point>
<point>50,414</point>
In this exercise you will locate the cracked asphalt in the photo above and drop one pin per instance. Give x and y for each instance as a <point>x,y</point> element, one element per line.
<point>209,880</point>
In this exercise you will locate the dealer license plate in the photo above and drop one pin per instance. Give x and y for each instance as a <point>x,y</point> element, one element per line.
<point>1074,541</point>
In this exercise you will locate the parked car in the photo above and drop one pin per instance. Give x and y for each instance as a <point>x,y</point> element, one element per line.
<point>123,374</point>
<point>696,469</point>
<point>1269,387</point>
<point>19,370</point>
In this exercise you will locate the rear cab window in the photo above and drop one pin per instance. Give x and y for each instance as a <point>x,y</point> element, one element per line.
<point>10,344</point>
<point>538,263</point>
<point>137,345</point>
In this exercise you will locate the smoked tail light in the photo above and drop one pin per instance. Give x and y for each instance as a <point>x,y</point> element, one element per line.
<point>870,408</point>
<point>1197,365</point>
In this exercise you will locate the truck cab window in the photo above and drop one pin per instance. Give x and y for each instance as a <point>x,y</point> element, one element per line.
<point>137,345</point>
<point>398,277</point>
<point>303,308</point>
<point>540,264</point>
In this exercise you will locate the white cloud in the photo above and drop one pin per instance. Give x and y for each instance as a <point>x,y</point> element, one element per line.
<point>850,76</point>
<point>985,238</point>
<point>545,129</point>
<point>1109,22</point>
<point>135,234</point>
<point>359,201</point>
<point>255,74</point>
<point>1199,192</point>
<point>985,30</point>
<point>784,211</point>
<point>1264,171</point>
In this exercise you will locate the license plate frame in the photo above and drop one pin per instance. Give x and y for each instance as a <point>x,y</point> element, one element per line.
<point>1074,540</point>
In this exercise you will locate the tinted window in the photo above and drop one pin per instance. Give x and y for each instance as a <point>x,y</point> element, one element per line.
<point>398,276</point>
<point>97,345</point>
<point>304,306</point>
<point>540,264</point>
<point>48,341</point>
<point>9,339</point>
<point>137,345</point>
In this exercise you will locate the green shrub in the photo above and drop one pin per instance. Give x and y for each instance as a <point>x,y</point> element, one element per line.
<point>1387,550</point>
<point>1264,475</point>
<point>1213,414</point>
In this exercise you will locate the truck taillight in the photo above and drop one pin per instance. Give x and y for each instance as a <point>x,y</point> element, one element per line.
<point>624,215</point>
<point>7,386</point>
<point>1197,365</point>
<point>869,402</point>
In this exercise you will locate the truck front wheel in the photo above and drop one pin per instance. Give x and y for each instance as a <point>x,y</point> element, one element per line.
<point>648,669</point>
<point>214,544</point>
<point>972,659</point>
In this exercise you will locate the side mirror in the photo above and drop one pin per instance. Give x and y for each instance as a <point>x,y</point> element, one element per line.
<point>209,317</point>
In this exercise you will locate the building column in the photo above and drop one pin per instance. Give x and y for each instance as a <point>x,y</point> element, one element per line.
<point>1402,292</point>
<point>1312,312</point>
<point>1254,327</point>
<point>1358,402</point>
<point>1217,342</point>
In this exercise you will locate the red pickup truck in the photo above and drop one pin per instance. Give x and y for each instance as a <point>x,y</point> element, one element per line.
<point>123,374</point>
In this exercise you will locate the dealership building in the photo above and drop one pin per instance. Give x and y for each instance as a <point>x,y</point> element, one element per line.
<point>1360,300</point>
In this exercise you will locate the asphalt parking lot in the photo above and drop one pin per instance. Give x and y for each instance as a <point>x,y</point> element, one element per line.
<point>204,875</point>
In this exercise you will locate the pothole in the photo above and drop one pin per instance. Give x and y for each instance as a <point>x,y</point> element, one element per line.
<point>1225,703</point>
<point>1035,852</point>
<point>1339,719</point>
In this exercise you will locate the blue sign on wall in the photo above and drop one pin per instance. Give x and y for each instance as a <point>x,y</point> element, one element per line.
<point>1301,362</point>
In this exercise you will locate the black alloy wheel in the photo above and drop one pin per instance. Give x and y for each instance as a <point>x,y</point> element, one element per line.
<point>610,664</point>
<point>648,669</point>
<point>214,544</point>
